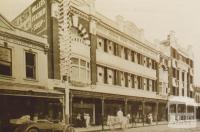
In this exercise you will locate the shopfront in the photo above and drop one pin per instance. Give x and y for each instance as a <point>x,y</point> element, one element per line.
<point>18,102</point>
<point>99,106</point>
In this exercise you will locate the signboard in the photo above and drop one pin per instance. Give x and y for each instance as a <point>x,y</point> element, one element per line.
<point>34,18</point>
<point>23,21</point>
<point>39,16</point>
<point>5,54</point>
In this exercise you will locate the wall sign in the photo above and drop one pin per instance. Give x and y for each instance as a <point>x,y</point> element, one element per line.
<point>34,18</point>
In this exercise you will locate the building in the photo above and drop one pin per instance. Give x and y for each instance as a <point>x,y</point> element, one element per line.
<point>109,65</point>
<point>24,76</point>
<point>197,99</point>
<point>40,18</point>
<point>102,65</point>
<point>181,75</point>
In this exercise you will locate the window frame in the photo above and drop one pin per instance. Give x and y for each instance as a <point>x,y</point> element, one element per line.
<point>11,63</point>
<point>34,68</point>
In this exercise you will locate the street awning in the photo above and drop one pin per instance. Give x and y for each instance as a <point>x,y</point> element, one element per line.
<point>13,90</point>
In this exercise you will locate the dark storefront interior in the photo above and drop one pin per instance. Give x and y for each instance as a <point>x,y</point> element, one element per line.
<point>14,107</point>
<point>93,106</point>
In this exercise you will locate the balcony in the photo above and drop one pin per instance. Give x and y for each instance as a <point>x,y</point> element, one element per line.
<point>182,65</point>
<point>191,87</point>
<point>124,65</point>
<point>174,82</point>
<point>192,71</point>
<point>174,63</point>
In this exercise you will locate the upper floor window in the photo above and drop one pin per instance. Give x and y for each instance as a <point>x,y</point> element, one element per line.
<point>5,61</point>
<point>30,65</point>
<point>80,70</point>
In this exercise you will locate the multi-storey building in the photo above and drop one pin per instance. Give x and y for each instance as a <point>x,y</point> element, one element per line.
<point>181,74</point>
<point>109,65</point>
<point>24,76</point>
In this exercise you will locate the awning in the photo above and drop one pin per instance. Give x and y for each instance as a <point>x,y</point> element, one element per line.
<point>97,95</point>
<point>29,91</point>
<point>182,100</point>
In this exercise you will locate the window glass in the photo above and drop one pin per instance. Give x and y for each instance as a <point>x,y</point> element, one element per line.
<point>75,73</point>
<point>74,61</point>
<point>80,71</point>
<point>5,61</point>
<point>83,63</point>
<point>30,65</point>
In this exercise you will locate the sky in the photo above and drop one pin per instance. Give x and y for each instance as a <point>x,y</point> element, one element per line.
<point>156,17</point>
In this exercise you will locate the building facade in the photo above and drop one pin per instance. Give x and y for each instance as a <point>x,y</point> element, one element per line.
<point>109,65</point>
<point>24,76</point>
<point>103,65</point>
<point>40,18</point>
<point>181,75</point>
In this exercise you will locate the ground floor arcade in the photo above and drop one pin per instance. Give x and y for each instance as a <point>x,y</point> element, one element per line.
<point>100,105</point>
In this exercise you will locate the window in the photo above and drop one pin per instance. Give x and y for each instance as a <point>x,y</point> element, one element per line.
<point>74,61</point>
<point>30,65</point>
<point>5,62</point>
<point>139,58</point>
<point>133,81</point>
<point>139,82</point>
<point>80,70</point>
<point>183,76</point>
<point>147,84</point>
<point>132,56</point>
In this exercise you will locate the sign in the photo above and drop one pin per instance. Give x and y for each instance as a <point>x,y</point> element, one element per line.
<point>34,18</point>
<point>5,54</point>
<point>39,15</point>
<point>23,21</point>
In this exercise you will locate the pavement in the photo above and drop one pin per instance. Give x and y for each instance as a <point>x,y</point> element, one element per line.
<point>160,128</point>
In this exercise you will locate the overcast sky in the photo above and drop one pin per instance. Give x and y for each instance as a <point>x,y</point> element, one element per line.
<point>156,17</point>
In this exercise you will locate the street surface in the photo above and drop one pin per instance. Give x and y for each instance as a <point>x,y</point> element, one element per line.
<point>160,128</point>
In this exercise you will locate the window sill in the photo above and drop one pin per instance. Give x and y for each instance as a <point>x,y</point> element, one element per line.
<point>31,80</point>
<point>7,77</point>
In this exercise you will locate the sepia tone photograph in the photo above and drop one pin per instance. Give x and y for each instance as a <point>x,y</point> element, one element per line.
<point>99,66</point>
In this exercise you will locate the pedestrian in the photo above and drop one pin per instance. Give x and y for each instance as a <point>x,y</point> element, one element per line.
<point>134,119</point>
<point>120,116</point>
<point>83,124</point>
<point>78,120</point>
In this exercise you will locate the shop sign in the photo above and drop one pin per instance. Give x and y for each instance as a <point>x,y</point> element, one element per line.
<point>39,12</point>
<point>23,20</point>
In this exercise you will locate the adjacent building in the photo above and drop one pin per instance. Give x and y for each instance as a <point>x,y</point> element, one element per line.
<point>40,18</point>
<point>181,75</point>
<point>24,76</point>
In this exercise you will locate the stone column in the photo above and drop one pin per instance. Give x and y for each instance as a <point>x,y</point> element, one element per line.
<point>195,112</point>
<point>180,83</point>
<point>186,111</point>
<point>143,105</point>
<point>157,105</point>
<point>102,112</point>
<point>93,46</point>
<point>70,107</point>
<point>126,107</point>
<point>185,84</point>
